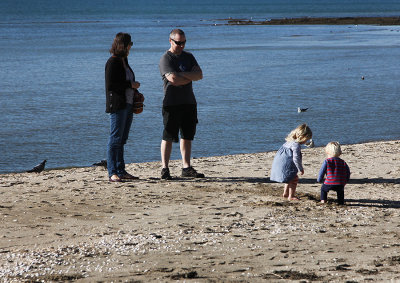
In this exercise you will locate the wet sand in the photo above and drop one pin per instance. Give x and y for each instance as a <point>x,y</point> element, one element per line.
<point>232,226</point>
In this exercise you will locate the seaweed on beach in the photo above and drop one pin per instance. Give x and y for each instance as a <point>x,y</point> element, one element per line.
<point>187,275</point>
<point>292,275</point>
<point>394,260</point>
<point>53,278</point>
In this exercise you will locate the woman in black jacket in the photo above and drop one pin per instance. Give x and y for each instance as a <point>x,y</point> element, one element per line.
<point>120,88</point>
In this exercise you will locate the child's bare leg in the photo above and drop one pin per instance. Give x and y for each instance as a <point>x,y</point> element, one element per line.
<point>286,191</point>
<point>292,189</point>
<point>292,192</point>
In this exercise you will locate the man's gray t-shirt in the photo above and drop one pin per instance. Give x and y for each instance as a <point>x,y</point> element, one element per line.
<point>173,63</point>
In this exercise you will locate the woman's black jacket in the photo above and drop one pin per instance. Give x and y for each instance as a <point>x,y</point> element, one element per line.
<point>116,83</point>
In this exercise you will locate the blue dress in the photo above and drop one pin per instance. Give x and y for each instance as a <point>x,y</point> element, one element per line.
<point>287,162</point>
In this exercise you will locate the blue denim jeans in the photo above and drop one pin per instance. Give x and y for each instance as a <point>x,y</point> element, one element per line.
<point>120,125</point>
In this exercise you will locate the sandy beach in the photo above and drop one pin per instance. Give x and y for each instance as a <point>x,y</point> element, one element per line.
<point>232,226</point>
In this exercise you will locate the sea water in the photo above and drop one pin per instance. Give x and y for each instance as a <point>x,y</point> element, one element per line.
<point>52,76</point>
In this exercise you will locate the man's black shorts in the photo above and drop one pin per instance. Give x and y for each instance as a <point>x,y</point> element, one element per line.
<point>181,118</point>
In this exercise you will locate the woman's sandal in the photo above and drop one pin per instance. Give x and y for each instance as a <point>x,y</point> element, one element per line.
<point>116,179</point>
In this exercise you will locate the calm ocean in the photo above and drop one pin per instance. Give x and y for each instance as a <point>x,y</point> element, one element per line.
<point>52,76</point>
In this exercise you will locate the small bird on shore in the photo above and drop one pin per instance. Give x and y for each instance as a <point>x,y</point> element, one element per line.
<point>299,110</point>
<point>310,144</point>
<point>38,168</point>
<point>101,163</point>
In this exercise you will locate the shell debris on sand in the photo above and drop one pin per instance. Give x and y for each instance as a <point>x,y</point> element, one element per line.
<point>72,224</point>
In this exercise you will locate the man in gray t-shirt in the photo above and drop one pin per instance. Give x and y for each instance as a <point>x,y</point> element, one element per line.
<point>178,69</point>
<point>177,63</point>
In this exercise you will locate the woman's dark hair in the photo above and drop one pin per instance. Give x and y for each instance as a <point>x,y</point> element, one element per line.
<point>120,45</point>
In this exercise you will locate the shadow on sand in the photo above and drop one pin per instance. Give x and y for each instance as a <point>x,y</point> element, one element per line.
<point>380,203</point>
<point>266,180</point>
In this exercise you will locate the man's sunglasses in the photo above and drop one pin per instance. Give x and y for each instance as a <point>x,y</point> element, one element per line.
<point>179,42</point>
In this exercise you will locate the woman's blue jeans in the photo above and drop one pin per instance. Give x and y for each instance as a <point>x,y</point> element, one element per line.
<point>120,125</point>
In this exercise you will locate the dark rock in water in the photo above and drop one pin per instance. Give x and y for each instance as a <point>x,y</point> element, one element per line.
<point>384,21</point>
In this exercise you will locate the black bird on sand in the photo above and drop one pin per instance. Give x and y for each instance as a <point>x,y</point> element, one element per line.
<point>101,163</point>
<point>38,168</point>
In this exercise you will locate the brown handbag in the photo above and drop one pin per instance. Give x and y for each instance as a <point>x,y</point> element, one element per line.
<point>138,100</point>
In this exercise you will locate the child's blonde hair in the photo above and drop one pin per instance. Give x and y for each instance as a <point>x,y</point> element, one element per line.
<point>301,134</point>
<point>333,149</point>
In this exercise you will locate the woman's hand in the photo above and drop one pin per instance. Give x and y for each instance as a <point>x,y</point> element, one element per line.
<point>135,85</point>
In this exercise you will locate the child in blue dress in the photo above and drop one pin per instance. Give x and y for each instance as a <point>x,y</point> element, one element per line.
<point>337,173</point>
<point>288,161</point>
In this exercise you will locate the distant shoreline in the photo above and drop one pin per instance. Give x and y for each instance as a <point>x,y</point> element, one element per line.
<point>383,21</point>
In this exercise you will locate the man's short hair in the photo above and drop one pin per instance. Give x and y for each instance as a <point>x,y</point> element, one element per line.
<point>175,32</point>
